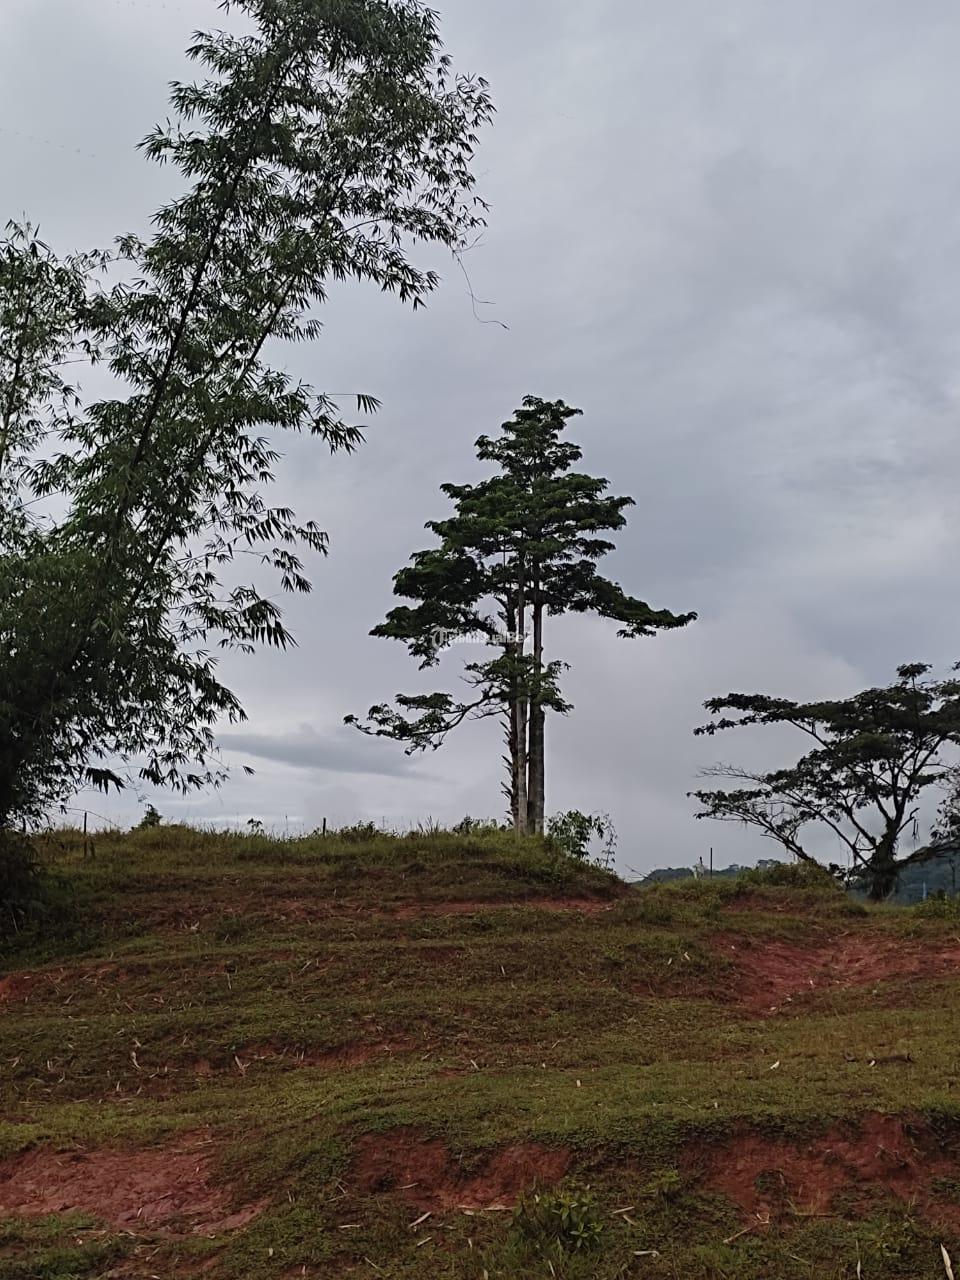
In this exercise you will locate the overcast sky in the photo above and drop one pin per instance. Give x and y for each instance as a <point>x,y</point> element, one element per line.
<point>729,233</point>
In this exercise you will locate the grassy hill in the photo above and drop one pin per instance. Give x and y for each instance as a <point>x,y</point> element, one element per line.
<point>246,1059</point>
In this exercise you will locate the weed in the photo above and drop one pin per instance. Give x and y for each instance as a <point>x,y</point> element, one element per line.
<point>939,907</point>
<point>664,1185</point>
<point>555,1223</point>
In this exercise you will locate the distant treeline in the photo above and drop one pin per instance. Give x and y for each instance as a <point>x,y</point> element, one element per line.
<point>916,881</point>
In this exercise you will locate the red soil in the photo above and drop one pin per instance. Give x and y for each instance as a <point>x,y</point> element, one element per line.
<point>167,1190</point>
<point>16,987</point>
<point>21,987</point>
<point>895,1155</point>
<point>768,975</point>
<point>426,1174</point>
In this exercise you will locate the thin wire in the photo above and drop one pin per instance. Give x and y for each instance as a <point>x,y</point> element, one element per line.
<point>474,300</point>
<point>66,808</point>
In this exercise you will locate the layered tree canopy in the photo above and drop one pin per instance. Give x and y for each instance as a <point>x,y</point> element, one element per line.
<point>520,546</point>
<point>871,758</point>
<point>320,147</point>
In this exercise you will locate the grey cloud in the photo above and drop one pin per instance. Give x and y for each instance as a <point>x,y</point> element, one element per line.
<point>342,751</point>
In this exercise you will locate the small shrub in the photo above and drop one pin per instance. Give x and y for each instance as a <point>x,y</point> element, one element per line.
<point>788,875</point>
<point>892,1240</point>
<point>665,1184</point>
<point>571,833</point>
<point>939,908</point>
<point>359,833</point>
<point>559,1222</point>
<point>151,818</point>
<point>478,826</point>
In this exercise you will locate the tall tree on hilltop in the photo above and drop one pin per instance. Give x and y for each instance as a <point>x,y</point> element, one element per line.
<point>319,146</point>
<point>872,757</point>
<point>521,546</point>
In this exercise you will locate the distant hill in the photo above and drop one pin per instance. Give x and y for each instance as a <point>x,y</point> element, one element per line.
<point>925,879</point>
<point>917,882</point>
<point>663,874</point>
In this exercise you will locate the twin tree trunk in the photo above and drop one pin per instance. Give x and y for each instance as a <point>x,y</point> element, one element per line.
<point>525,733</point>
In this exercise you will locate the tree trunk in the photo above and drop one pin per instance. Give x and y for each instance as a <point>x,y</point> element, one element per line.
<point>521,716</point>
<point>511,788</point>
<point>522,790</point>
<point>535,787</point>
<point>535,798</point>
<point>883,869</point>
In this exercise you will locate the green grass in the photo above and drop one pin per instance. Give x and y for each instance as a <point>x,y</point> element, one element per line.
<point>291,998</point>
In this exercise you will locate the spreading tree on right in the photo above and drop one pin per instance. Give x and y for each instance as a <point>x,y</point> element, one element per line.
<point>871,758</point>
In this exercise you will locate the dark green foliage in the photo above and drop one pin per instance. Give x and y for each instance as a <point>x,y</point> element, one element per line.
<point>788,875</point>
<point>873,756</point>
<point>34,901</point>
<point>151,818</point>
<point>947,830</point>
<point>572,832</point>
<point>23,890</point>
<point>556,1223</point>
<point>520,546</point>
<point>321,146</point>
<point>477,826</point>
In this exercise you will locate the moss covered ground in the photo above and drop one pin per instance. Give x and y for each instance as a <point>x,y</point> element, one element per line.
<point>453,1056</point>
